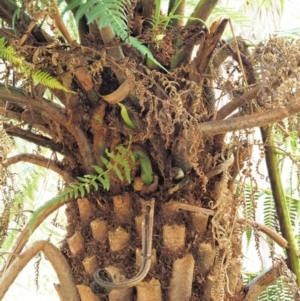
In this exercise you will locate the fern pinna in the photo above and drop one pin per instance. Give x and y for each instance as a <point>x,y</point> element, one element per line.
<point>9,54</point>
<point>119,162</point>
<point>110,13</point>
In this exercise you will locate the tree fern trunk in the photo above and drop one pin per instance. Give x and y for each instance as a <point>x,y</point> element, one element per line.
<point>106,233</point>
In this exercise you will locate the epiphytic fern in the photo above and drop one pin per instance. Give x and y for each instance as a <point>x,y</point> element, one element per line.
<point>8,53</point>
<point>110,12</point>
<point>47,80</point>
<point>119,163</point>
<point>120,159</point>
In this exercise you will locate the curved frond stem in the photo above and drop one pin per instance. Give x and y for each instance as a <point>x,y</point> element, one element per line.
<point>7,9</point>
<point>176,7</point>
<point>268,231</point>
<point>10,114</point>
<point>37,139</point>
<point>250,121</point>
<point>262,281</point>
<point>40,215</point>
<point>83,28</point>
<point>58,262</point>
<point>239,101</point>
<point>108,34</point>
<point>280,201</point>
<point>40,161</point>
<point>26,117</point>
<point>54,113</point>
<point>147,231</point>
<point>202,11</point>
<point>30,27</point>
<point>60,25</point>
<point>204,54</point>
<point>148,8</point>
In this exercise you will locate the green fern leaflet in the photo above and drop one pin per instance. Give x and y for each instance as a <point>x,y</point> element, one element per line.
<point>8,53</point>
<point>114,13</point>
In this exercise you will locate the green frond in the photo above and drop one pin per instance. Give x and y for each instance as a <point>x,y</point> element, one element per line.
<point>118,162</point>
<point>126,117</point>
<point>75,193</point>
<point>98,169</point>
<point>60,198</point>
<point>294,210</point>
<point>83,8</point>
<point>9,54</point>
<point>146,167</point>
<point>95,185</point>
<point>87,187</point>
<point>70,6</point>
<point>144,50</point>
<point>81,189</point>
<point>106,162</point>
<point>118,173</point>
<point>114,13</point>
<point>277,291</point>
<point>84,180</point>
<point>269,211</point>
<point>49,81</point>
<point>249,234</point>
<point>126,167</point>
<point>15,17</point>
<point>104,180</point>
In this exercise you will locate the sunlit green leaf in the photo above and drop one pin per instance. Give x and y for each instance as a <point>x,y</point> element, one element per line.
<point>126,117</point>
